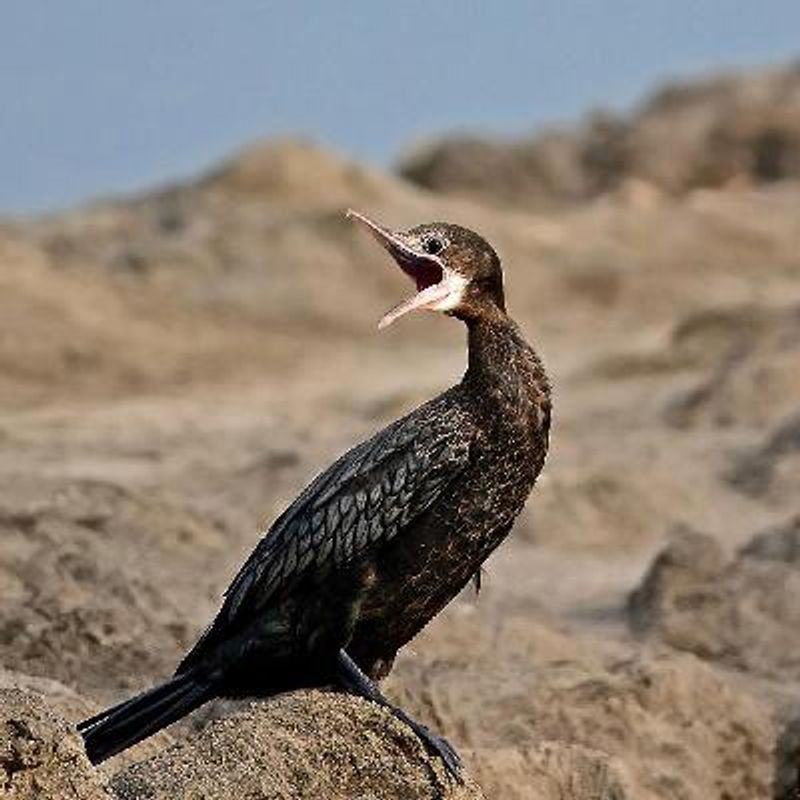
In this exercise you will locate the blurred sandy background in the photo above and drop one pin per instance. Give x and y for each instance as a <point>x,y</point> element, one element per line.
<point>176,363</point>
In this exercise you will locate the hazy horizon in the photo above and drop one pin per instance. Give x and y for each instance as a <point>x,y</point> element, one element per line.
<point>101,98</point>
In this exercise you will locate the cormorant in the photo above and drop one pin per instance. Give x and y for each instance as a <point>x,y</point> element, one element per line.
<point>383,539</point>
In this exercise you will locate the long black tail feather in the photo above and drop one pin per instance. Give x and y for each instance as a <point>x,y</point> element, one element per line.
<point>123,725</point>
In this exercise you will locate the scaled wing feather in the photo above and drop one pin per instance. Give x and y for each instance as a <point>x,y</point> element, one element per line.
<point>364,499</point>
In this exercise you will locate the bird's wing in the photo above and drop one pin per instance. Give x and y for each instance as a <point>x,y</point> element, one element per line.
<point>362,500</point>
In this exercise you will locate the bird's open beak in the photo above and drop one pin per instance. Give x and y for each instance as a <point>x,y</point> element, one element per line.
<point>433,279</point>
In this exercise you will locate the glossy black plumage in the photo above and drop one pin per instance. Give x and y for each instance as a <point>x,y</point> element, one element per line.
<point>327,537</point>
<point>387,535</point>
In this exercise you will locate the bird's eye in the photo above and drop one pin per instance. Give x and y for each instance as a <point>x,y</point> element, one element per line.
<point>433,246</point>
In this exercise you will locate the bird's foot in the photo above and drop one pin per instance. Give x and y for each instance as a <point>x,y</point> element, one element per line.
<point>354,680</point>
<point>436,745</point>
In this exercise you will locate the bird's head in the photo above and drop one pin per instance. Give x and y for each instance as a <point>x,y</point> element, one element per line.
<point>455,271</point>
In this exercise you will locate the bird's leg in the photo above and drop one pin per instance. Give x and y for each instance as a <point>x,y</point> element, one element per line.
<point>356,682</point>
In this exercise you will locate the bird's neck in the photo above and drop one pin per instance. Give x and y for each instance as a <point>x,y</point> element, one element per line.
<point>500,360</point>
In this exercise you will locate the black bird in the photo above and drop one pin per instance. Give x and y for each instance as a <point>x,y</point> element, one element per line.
<point>383,539</point>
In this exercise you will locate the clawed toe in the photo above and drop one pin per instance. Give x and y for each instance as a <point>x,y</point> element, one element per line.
<point>439,746</point>
<point>445,751</point>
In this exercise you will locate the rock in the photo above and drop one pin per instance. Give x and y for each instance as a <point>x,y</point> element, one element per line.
<point>658,726</point>
<point>772,466</point>
<point>311,744</point>
<point>713,132</point>
<point>742,612</point>
<point>746,356</point>
<point>91,589</point>
<point>41,756</point>
<point>513,174</point>
<point>781,543</point>
<point>787,759</point>
<point>680,579</point>
<point>304,744</point>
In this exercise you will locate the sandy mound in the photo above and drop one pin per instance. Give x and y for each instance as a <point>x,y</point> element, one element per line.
<point>300,745</point>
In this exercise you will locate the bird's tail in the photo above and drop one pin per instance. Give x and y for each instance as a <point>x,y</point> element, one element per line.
<point>125,724</point>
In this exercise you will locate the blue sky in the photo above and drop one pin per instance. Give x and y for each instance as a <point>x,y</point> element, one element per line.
<point>98,96</point>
